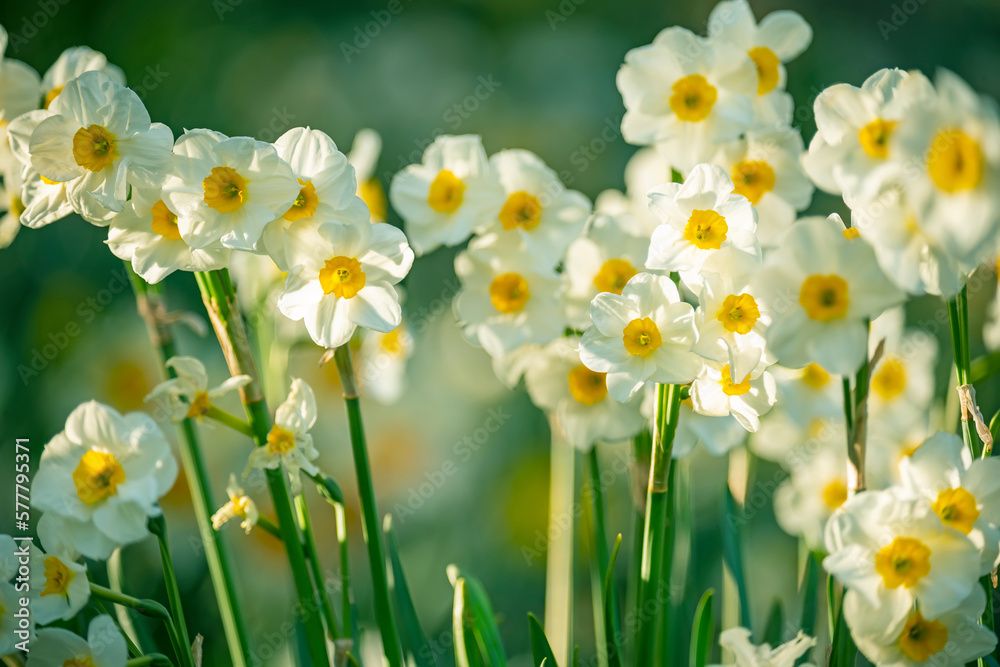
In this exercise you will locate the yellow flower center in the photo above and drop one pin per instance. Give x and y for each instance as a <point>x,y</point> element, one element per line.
<point>94,147</point>
<point>834,494</point>
<point>373,195</point>
<point>342,277</point>
<point>920,638</point>
<point>51,96</point>
<point>957,508</point>
<point>874,137</point>
<point>225,190</point>
<point>242,503</point>
<point>889,379</point>
<point>824,297</point>
<point>815,376</point>
<point>767,68</point>
<point>522,209</point>
<point>692,98</point>
<point>706,229</point>
<point>730,388</point>
<point>614,275</point>
<point>391,342</point>
<point>955,161</point>
<point>165,222</point>
<point>58,577</point>
<point>753,179</point>
<point>587,386</point>
<point>642,337</point>
<point>509,292</point>
<point>739,313</point>
<point>200,405</point>
<point>446,193</point>
<point>85,661</point>
<point>903,563</point>
<point>851,233</point>
<point>97,476</point>
<point>280,440</point>
<point>305,204</point>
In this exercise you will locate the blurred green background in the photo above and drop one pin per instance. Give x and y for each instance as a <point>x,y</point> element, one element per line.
<point>521,73</point>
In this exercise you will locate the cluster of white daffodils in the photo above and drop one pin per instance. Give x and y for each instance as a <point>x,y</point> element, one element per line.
<point>910,558</point>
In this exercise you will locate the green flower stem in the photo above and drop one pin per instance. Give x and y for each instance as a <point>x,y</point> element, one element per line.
<point>601,552</point>
<point>959,344</point>
<point>158,526</point>
<point>152,609</point>
<point>227,321</point>
<point>312,556</point>
<point>151,660</point>
<point>655,527</point>
<point>269,527</point>
<point>369,512</point>
<point>232,421</point>
<point>151,307</point>
<point>345,570</point>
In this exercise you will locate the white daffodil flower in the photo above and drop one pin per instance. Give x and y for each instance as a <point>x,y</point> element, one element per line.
<point>10,602</point>
<point>576,398</point>
<point>764,167</point>
<point>914,255</point>
<point>964,493</point>
<point>239,506</point>
<point>780,37</point>
<point>730,323</point>
<point>342,277</point>
<point>59,586</point>
<point>382,363</point>
<point>104,646</point>
<point>11,205</point>
<point>815,489</point>
<point>715,393</point>
<point>97,138</point>
<point>718,435</point>
<point>43,201</point>
<point>289,444</point>
<point>103,476</point>
<point>364,154</point>
<point>953,639</point>
<point>146,234</point>
<point>821,286</point>
<point>697,218</point>
<point>70,64</point>
<point>539,211</point>
<point>892,550</point>
<point>225,190</point>
<point>603,259</point>
<point>791,438</point>
<point>951,143</point>
<point>450,193</point>
<point>20,88</point>
<point>853,152</point>
<point>748,654</point>
<point>686,94</point>
<point>902,382</point>
<point>187,395</point>
<point>507,300</point>
<point>643,334</point>
<point>327,188</point>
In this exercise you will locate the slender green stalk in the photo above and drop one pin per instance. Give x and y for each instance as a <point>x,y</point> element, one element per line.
<point>152,609</point>
<point>959,346</point>
<point>369,512</point>
<point>226,419</point>
<point>345,570</point>
<point>312,556</point>
<point>158,526</point>
<point>220,303</point>
<point>648,606</point>
<point>151,307</point>
<point>269,527</point>
<point>151,660</point>
<point>601,553</point>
